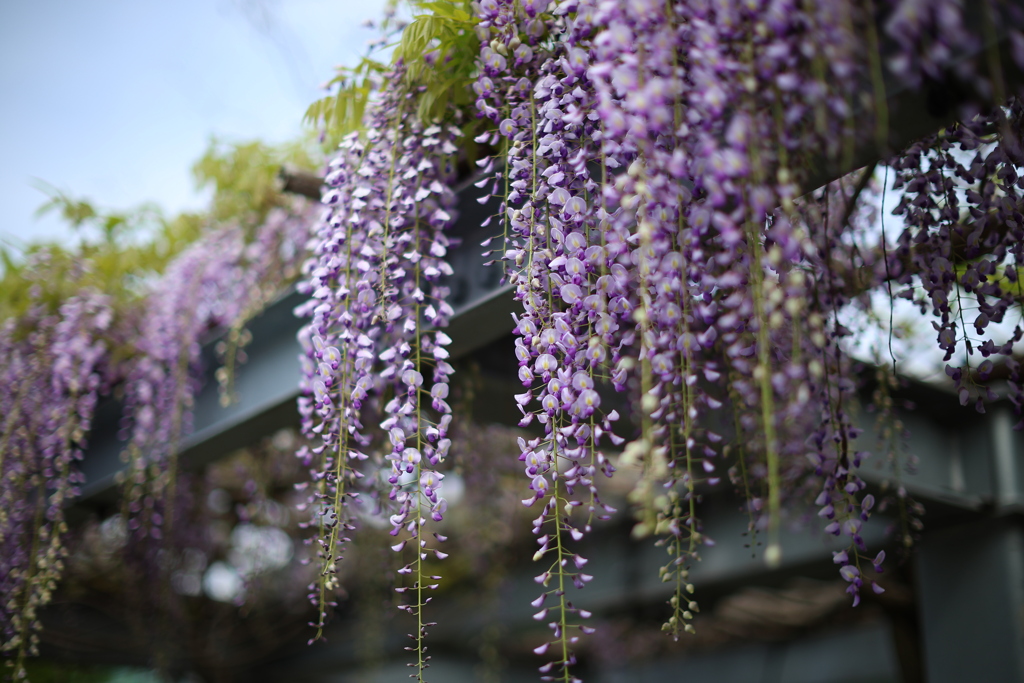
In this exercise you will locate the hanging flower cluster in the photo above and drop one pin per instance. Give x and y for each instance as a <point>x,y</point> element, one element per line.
<point>960,255</point>
<point>218,283</point>
<point>55,367</point>
<point>641,223</point>
<point>653,155</point>
<point>378,300</point>
<point>653,164</point>
<point>58,363</point>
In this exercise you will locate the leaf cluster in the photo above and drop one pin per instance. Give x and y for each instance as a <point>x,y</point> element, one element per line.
<point>119,252</point>
<point>342,113</point>
<point>244,177</point>
<point>438,50</point>
<point>124,250</point>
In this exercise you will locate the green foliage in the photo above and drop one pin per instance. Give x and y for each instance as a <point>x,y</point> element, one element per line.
<point>438,48</point>
<point>339,114</point>
<point>244,177</point>
<point>119,251</point>
<point>80,213</point>
<point>116,253</point>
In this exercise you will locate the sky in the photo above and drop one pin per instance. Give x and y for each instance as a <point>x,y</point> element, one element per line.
<point>113,101</point>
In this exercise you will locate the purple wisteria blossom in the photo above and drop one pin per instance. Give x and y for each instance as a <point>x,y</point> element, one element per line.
<point>58,362</point>
<point>378,299</point>
<point>55,373</point>
<point>654,154</point>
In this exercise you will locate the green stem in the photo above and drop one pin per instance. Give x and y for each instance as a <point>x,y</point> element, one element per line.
<point>27,613</point>
<point>560,560</point>
<point>774,550</point>
<point>12,418</point>
<point>877,82</point>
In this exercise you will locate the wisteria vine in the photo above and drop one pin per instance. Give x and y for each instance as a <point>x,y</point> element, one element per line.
<point>652,165</point>
<point>59,363</point>
<point>378,303</point>
<point>46,418</point>
<point>683,223</point>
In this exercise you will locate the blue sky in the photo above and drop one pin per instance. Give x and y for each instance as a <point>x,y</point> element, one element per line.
<point>114,100</point>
